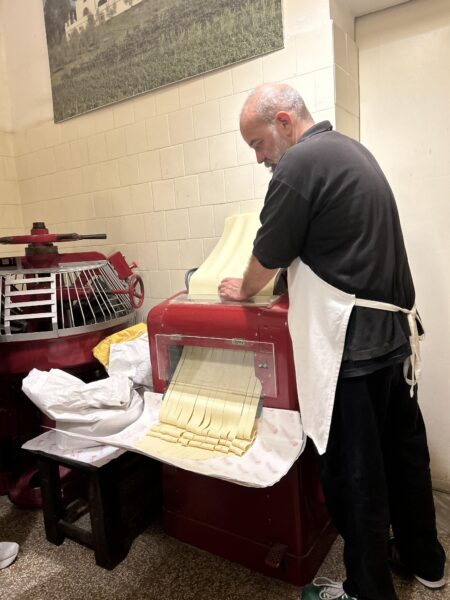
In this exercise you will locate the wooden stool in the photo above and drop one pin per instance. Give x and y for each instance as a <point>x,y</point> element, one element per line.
<point>122,497</point>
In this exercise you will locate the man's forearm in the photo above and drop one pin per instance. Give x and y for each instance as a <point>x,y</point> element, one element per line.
<point>255,277</point>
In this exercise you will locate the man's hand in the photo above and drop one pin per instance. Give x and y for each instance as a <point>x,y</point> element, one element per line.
<point>230,288</point>
<point>255,278</point>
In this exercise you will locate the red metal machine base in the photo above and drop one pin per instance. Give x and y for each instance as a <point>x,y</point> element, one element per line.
<point>283,531</point>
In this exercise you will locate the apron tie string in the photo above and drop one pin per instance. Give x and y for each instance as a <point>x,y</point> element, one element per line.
<point>413,364</point>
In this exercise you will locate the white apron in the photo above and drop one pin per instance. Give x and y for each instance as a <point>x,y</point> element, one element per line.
<point>318,318</point>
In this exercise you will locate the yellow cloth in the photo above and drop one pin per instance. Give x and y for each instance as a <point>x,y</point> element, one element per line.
<point>101,350</point>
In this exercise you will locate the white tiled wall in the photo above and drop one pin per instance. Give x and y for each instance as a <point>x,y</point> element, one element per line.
<point>160,173</point>
<point>10,208</point>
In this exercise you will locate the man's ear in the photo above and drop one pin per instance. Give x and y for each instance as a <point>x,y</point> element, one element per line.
<point>284,120</point>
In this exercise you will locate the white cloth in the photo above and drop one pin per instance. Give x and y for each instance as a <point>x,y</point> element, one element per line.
<point>133,360</point>
<point>96,409</point>
<point>318,318</point>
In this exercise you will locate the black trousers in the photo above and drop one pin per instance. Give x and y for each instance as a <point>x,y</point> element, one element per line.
<point>375,473</point>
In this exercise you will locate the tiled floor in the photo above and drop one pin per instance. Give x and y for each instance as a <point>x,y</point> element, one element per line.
<point>157,568</point>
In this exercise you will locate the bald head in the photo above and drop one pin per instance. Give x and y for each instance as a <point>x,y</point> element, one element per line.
<point>273,119</point>
<point>265,101</point>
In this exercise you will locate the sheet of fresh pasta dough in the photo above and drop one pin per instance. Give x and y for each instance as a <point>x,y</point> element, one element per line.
<point>210,405</point>
<point>230,256</point>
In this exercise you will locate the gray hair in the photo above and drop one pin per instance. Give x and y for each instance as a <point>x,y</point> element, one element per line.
<point>269,98</point>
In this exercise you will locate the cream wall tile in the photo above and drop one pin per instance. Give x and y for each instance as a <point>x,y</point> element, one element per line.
<point>163,195</point>
<point>314,48</point>
<point>75,181</point>
<point>155,226</point>
<point>10,216</point>
<point>347,123</point>
<point>85,124</point>
<point>63,157</point>
<point>206,119</point>
<point>201,222</point>
<point>110,174</point>
<point>77,208</point>
<point>239,183</point>
<point>123,114</point>
<point>102,203</point>
<point>230,110</point>
<point>97,148</point>
<point>27,191</point>
<point>113,230</point>
<point>218,84</point>
<point>159,284</point>
<point>306,87</point>
<point>352,57</point>
<point>325,92</point>
<point>168,100</point>
<point>136,138</point>
<point>181,126</point>
<point>104,120</point>
<point>300,16</point>
<point>141,197</point>
<point>9,193</point>
<point>168,255</point>
<point>221,212</point>
<point>149,166</point>
<point>69,131</point>
<point>245,154</point>
<point>212,188</point>
<point>116,143</point>
<point>8,142</point>
<point>341,91</point>
<point>59,184</point>
<point>208,245</point>
<point>9,165</point>
<point>144,107</point>
<point>251,206</point>
<point>128,170</point>
<point>51,134</point>
<point>120,201</point>
<point>187,192</point>
<point>222,150</point>
<point>247,75</point>
<point>157,132</point>
<point>177,283</point>
<point>133,228</point>
<point>79,152</point>
<point>281,64</point>
<point>191,254</point>
<point>46,161</point>
<point>172,162</point>
<point>353,95</point>
<point>328,114</point>
<point>147,256</point>
<point>191,92</point>
<point>196,156</point>
<point>177,222</point>
<point>261,179</point>
<point>340,47</point>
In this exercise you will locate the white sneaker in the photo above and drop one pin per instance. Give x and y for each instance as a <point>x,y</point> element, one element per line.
<point>8,553</point>
<point>434,585</point>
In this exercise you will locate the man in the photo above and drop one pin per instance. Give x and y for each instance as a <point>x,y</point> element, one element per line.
<point>330,217</point>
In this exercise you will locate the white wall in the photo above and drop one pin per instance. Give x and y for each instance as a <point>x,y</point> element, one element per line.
<point>158,173</point>
<point>405,121</point>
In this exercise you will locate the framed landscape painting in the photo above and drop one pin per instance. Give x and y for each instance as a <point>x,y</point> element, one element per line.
<point>104,51</point>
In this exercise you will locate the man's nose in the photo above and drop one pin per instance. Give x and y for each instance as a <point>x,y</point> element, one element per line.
<point>260,158</point>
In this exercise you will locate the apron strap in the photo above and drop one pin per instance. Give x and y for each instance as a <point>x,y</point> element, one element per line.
<point>413,363</point>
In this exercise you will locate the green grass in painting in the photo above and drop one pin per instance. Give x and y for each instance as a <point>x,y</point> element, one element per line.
<point>156,43</point>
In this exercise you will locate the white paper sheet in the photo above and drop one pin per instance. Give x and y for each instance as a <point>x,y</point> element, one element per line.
<point>279,442</point>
